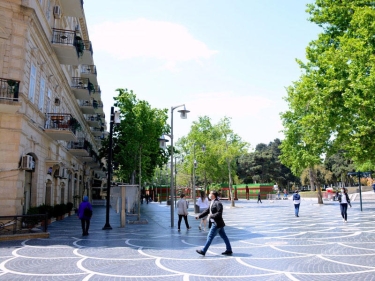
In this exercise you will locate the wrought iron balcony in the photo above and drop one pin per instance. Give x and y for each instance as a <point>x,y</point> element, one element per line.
<point>96,93</point>
<point>80,148</point>
<point>86,106</point>
<point>9,102</point>
<point>99,107</point>
<point>89,71</point>
<point>85,52</point>
<point>94,120</point>
<point>61,126</point>
<point>97,131</point>
<point>65,45</point>
<point>81,88</point>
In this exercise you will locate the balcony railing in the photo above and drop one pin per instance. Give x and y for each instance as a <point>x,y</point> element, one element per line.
<point>80,83</point>
<point>64,37</point>
<point>88,70</point>
<point>65,44</point>
<point>21,224</point>
<point>9,89</point>
<point>61,121</point>
<point>81,147</point>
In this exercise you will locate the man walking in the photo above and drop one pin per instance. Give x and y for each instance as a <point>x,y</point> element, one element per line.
<point>296,201</point>
<point>215,215</point>
<point>259,199</point>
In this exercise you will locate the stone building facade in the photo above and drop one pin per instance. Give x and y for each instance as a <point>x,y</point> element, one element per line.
<point>51,114</point>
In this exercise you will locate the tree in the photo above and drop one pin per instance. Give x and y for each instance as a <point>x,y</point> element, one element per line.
<point>331,106</point>
<point>263,165</point>
<point>135,141</point>
<point>223,147</point>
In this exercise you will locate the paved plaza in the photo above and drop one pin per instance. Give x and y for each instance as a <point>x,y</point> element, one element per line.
<point>268,241</point>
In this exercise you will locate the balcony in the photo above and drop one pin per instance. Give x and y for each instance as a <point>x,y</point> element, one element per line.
<point>79,148</point>
<point>65,45</point>
<point>89,71</point>
<point>99,107</point>
<point>81,88</point>
<point>85,52</point>
<point>86,106</point>
<point>94,121</point>
<point>99,139</point>
<point>96,93</point>
<point>97,132</point>
<point>61,126</point>
<point>72,8</point>
<point>9,96</point>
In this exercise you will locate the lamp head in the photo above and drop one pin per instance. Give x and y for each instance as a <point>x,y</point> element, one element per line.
<point>163,142</point>
<point>183,113</point>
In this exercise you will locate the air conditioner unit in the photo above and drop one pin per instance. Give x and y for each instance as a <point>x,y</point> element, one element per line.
<point>63,173</point>
<point>57,12</point>
<point>27,162</point>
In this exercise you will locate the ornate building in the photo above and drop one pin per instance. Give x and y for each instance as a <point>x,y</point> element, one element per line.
<point>51,114</point>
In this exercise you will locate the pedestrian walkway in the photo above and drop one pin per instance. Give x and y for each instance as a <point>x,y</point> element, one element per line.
<point>268,241</point>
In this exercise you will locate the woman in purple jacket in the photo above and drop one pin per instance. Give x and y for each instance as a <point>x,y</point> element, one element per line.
<point>84,214</point>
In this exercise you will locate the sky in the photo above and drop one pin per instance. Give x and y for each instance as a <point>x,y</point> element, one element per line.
<point>219,58</point>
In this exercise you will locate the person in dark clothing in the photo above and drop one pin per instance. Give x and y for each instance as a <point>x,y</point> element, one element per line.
<point>215,215</point>
<point>344,202</point>
<point>296,201</point>
<point>85,214</point>
<point>259,199</point>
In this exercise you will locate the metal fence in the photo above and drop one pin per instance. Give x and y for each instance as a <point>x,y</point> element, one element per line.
<point>22,224</point>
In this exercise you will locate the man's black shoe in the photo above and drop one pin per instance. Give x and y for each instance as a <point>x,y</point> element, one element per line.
<point>227,253</point>
<point>200,252</point>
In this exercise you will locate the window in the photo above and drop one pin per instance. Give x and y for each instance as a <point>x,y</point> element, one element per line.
<point>49,97</point>
<point>41,94</point>
<point>32,83</point>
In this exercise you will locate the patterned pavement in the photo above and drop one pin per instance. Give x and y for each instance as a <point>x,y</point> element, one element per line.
<point>268,241</point>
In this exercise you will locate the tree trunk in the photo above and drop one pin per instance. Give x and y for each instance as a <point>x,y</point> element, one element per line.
<point>314,186</point>
<point>230,185</point>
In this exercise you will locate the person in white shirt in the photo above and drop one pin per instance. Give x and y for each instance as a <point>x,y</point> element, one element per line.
<point>344,202</point>
<point>203,205</point>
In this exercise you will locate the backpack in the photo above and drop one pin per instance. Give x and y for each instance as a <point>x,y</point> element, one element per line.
<point>87,212</point>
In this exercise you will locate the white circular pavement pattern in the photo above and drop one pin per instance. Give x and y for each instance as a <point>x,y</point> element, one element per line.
<point>268,241</point>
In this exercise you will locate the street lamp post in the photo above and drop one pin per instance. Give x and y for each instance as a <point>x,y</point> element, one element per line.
<point>113,119</point>
<point>183,113</point>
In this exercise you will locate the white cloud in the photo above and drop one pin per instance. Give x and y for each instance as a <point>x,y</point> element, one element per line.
<point>169,42</point>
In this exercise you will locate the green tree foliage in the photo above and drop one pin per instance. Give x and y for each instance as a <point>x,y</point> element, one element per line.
<point>263,166</point>
<point>331,105</point>
<point>218,162</point>
<point>340,167</point>
<point>135,142</point>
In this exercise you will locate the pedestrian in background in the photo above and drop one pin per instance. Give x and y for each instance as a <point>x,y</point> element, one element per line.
<point>215,215</point>
<point>203,205</point>
<point>182,210</point>
<point>85,214</point>
<point>296,201</point>
<point>344,202</point>
<point>259,199</point>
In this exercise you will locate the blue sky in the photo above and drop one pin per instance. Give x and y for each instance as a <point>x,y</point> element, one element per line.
<point>220,58</point>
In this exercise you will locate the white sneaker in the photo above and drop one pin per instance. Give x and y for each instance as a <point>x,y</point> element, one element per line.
<point>345,221</point>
